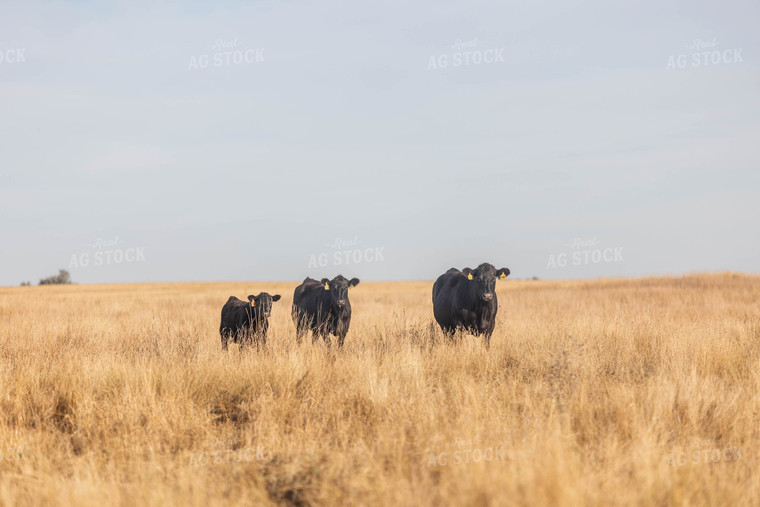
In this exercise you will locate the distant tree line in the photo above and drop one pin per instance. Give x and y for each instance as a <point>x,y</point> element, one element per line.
<point>63,277</point>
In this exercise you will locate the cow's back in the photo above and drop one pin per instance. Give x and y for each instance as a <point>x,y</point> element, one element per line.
<point>444,295</point>
<point>305,294</point>
<point>306,300</point>
<point>234,314</point>
<point>230,306</point>
<point>443,281</point>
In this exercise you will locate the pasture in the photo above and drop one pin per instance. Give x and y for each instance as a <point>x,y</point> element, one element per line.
<point>603,392</point>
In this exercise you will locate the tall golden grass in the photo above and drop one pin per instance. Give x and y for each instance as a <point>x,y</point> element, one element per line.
<point>593,392</point>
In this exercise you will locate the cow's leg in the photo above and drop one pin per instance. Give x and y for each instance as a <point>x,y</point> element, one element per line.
<point>324,331</point>
<point>242,337</point>
<point>300,333</point>
<point>340,331</point>
<point>315,334</point>
<point>247,340</point>
<point>317,331</point>
<point>261,334</point>
<point>300,330</point>
<point>487,332</point>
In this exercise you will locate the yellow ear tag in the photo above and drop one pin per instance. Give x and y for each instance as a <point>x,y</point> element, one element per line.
<point>327,286</point>
<point>253,302</point>
<point>502,276</point>
<point>469,276</point>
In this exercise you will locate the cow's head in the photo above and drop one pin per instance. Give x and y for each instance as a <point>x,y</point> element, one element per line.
<point>484,278</point>
<point>262,303</point>
<point>338,289</point>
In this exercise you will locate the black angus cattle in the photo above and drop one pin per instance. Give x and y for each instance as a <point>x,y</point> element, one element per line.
<point>241,321</point>
<point>323,307</point>
<point>467,300</point>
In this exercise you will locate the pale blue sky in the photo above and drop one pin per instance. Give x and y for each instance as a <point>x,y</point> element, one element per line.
<point>244,171</point>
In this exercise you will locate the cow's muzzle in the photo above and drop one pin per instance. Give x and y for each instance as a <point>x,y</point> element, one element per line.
<point>341,303</point>
<point>487,296</point>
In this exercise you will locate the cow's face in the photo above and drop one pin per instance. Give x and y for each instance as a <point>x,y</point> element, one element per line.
<point>263,303</point>
<point>338,289</point>
<point>484,278</point>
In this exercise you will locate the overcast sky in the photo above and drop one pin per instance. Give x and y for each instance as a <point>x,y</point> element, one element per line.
<point>379,140</point>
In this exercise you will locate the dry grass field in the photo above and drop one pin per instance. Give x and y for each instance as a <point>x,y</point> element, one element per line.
<point>604,392</point>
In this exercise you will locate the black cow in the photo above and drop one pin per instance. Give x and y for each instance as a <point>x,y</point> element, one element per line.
<point>466,300</point>
<point>242,321</point>
<point>323,307</point>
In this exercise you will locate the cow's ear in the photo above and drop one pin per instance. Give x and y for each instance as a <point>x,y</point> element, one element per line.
<point>354,282</point>
<point>503,273</point>
<point>468,272</point>
<point>276,297</point>
<point>251,298</point>
<point>326,283</point>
